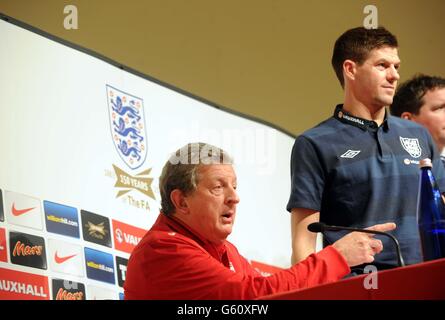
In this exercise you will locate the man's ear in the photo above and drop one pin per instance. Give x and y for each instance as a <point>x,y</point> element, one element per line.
<point>177,197</point>
<point>407,115</point>
<point>349,69</point>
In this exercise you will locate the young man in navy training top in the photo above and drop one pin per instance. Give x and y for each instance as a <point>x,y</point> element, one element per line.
<point>422,100</point>
<point>360,167</point>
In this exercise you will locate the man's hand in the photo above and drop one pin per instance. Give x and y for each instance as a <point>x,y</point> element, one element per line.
<point>359,247</point>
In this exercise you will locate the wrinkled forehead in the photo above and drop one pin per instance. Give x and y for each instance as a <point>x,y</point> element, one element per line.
<point>216,172</point>
<point>385,53</point>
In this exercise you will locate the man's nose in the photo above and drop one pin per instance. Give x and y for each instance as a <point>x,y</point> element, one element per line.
<point>393,74</point>
<point>232,196</point>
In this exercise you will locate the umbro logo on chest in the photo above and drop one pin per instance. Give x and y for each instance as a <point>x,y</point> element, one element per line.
<point>350,154</point>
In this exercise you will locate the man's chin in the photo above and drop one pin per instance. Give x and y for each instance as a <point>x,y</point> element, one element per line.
<point>387,101</point>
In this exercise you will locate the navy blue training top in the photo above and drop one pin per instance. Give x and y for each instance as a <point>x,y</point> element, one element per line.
<point>359,174</point>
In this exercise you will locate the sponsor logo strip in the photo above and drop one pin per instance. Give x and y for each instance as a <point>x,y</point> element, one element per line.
<point>61,219</point>
<point>23,210</point>
<point>27,250</point>
<point>99,265</point>
<point>15,285</point>
<point>96,228</point>
<point>121,269</point>
<point>65,257</point>
<point>126,237</point>
<point>68,290</point>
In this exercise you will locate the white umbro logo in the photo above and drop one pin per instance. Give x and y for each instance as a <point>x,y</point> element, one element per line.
<point>350,154</point>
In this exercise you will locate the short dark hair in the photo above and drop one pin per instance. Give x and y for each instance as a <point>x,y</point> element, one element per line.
<point>356,44</point>
<point>409,95</point>
<point>181,171</point>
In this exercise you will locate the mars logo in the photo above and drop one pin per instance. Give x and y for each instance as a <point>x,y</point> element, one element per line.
<point>27,250</point>
<point>15,285</point>
<point>126,115</point>
<point>96,228</point>
<point>21,250</point>
<point>126,237</point>
<point>68,290</point>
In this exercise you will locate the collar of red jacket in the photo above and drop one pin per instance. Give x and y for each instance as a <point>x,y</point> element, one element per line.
<point>171,223</point>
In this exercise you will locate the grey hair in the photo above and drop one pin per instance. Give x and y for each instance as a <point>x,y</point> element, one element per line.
<point>181,170</point>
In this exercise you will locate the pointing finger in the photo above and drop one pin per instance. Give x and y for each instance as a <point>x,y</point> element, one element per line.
<point>383,227</point>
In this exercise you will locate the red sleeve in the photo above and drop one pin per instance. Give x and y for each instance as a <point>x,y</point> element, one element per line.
<point>323,267</point>
<point>176,268</point>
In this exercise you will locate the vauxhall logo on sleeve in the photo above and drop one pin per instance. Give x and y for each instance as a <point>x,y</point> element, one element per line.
<point>99,265</point>
<point>61,219</point>
<point>23,210</point>
<point>15,285</point>
<point>65,257</point>
<point>27,250</point>
<point>96,228</point>
<point>68,290</point>
<point>126,237</point>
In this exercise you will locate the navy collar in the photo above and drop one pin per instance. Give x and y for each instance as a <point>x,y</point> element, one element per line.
<point>361,123</point>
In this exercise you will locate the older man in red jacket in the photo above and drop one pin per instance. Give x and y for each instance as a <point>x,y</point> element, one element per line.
<point>185,255</point>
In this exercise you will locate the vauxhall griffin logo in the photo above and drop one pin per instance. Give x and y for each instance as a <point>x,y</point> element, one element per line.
<point>412,146</point>
<point>127,238</point>
<point>119,236</point>
<point>126,115</point>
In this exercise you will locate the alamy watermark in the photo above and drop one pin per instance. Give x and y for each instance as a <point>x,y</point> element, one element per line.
<point>71,20</point>
<point>250,146</point>
<point>371,280</point>
<point>371,21</point>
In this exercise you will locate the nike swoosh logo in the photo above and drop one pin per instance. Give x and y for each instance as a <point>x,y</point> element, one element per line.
<point>60,260</point>
<point>16,212</point>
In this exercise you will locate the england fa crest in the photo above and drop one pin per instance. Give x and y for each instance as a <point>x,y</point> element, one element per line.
<point>127,123</point>
<point>411,146</point>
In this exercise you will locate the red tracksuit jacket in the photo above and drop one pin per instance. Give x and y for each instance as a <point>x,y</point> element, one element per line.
<point>173,262</point>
